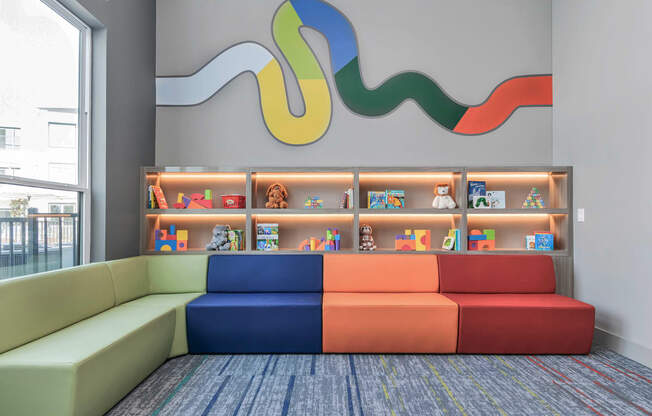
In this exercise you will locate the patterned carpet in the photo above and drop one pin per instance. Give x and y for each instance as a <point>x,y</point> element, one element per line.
<point>603,383</point>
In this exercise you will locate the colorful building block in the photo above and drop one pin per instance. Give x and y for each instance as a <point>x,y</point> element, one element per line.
<point>182,235</point>
<point>182,245</point>
<point>165,245</point>
<point>491,234</point>
<point>405,244</point>
<point>422,239</point>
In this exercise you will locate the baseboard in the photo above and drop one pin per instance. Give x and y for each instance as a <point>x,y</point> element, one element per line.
<point>624,347</point>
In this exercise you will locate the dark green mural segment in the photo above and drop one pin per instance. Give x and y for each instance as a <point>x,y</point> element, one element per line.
<point>393,92</point>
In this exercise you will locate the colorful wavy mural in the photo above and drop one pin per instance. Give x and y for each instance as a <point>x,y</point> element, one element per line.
<point>507,97</point>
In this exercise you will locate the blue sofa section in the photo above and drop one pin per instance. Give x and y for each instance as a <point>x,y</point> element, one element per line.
<point>258,304</point>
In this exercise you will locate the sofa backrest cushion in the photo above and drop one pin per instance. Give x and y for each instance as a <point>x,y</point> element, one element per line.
<point>524,273</point>
<point>177,274</point>
<point>130,279</point>
<point>265,273</point>
<point>40,304</point>
<point>380,273</point>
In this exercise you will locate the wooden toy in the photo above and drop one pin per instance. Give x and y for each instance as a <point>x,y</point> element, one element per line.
<point>207,204</point>
<point>491,234</point>
<point>180,198</point>
<point>178,205</point>
<point>422,239</point>
<point>195,205</point>
<point>208,195</point>
<point>405,244</point>
<point>182,245</point>
<point>475,237</point>
<point>534,200</point>
<point>165,245</point>
<point>182,234</point>
<point>186,201</point>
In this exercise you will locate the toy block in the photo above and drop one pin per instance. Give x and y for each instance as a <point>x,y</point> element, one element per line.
<point>182,234</point>
<point>491,234</point>
<point>171,237</point>
<point>406,245</point>
<point>186,201</point>
<point>178,205</point>
<point>180,198</point>
<point>486,245</point>
<point>422,239</point>
<point>195,196</point>
<point>208,195</point>
<point>173,230</point>
<point>481,237</point>
<point>157,235</point>
<point>475,232</point>
<point>195,205</point>
<point>163,235</point>
<point>473,245</point>
<point>204,203</point>
<point>408,232</point>
<point>165,245</point>
<point>182,245</point>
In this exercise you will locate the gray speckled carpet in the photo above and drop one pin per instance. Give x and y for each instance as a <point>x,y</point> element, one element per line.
<point>603,383</point>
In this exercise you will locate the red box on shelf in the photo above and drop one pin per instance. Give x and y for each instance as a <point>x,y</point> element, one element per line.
<point>233,201</point>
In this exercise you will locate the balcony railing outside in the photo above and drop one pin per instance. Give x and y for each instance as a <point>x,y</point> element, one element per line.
<point>38,243</point>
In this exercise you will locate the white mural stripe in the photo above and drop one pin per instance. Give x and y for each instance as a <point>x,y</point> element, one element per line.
<point>200,86</point>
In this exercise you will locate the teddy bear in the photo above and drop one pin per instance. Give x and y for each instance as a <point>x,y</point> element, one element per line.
<point>220,240</point>
<point>276,195</point>
<point>366,238</point>
<point>442,198</point>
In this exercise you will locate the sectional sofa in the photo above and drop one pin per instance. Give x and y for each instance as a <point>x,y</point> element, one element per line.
<point>75,341</point>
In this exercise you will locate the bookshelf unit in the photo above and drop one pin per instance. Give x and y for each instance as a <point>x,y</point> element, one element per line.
<point>297,223</point>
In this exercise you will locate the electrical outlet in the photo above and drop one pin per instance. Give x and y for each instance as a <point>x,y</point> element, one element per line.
<point>580,214</point>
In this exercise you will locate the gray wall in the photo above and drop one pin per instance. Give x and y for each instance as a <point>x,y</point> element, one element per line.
<point>123,117</point>
<point>602,125</point>
<point>467,46</point>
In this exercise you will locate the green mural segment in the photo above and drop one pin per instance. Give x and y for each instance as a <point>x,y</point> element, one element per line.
<point>285,28</point>
<point>393,92</point>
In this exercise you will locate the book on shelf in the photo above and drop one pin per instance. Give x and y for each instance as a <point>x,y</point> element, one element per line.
<point>159,197</point>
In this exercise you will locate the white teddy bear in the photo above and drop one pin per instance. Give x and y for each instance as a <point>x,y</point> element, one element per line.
<point>442,199</point>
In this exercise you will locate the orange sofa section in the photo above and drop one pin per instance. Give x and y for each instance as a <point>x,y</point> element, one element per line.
<point>386,304</point>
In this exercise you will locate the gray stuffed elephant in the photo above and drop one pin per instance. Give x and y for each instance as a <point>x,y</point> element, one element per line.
<point>220,240</point>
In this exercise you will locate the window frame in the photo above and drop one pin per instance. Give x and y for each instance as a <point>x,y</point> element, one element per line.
<point>83,133</point>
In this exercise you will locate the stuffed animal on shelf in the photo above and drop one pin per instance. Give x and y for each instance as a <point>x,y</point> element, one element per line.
<point>220,240</point>
<point>366,238</point>
<point>276,195</point>
<point>443,200</point>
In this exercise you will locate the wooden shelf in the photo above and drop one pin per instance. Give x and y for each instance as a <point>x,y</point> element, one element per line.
<point>408,211</point>
<point>518,211</point>
<point>288,211</point>
<point>213,211</point>
<point>296,222</point>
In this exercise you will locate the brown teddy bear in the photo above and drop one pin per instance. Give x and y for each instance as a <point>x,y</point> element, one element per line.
<point>366,238</point>
<point>276,195</point>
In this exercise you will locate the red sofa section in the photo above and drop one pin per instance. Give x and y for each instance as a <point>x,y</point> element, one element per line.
<point>507,305</point>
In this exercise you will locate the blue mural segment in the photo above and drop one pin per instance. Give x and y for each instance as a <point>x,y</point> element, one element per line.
<point>333,25</point>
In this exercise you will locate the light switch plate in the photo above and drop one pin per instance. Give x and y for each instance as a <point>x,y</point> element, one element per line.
<point>580,214</point>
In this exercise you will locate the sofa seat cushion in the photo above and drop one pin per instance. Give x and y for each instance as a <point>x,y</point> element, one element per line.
<point>255,323</point>
<point>67,372</point>
<point>523,324</point>
<point>389,323</point>
<point>178,302</point>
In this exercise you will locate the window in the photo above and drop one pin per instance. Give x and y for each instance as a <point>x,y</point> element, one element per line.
<point>9,137</point>
<point>62,135</point>
<point>62,172</point>
<point>44,125</point>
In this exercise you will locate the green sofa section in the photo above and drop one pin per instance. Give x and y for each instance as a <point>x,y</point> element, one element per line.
<point>75,341</point>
